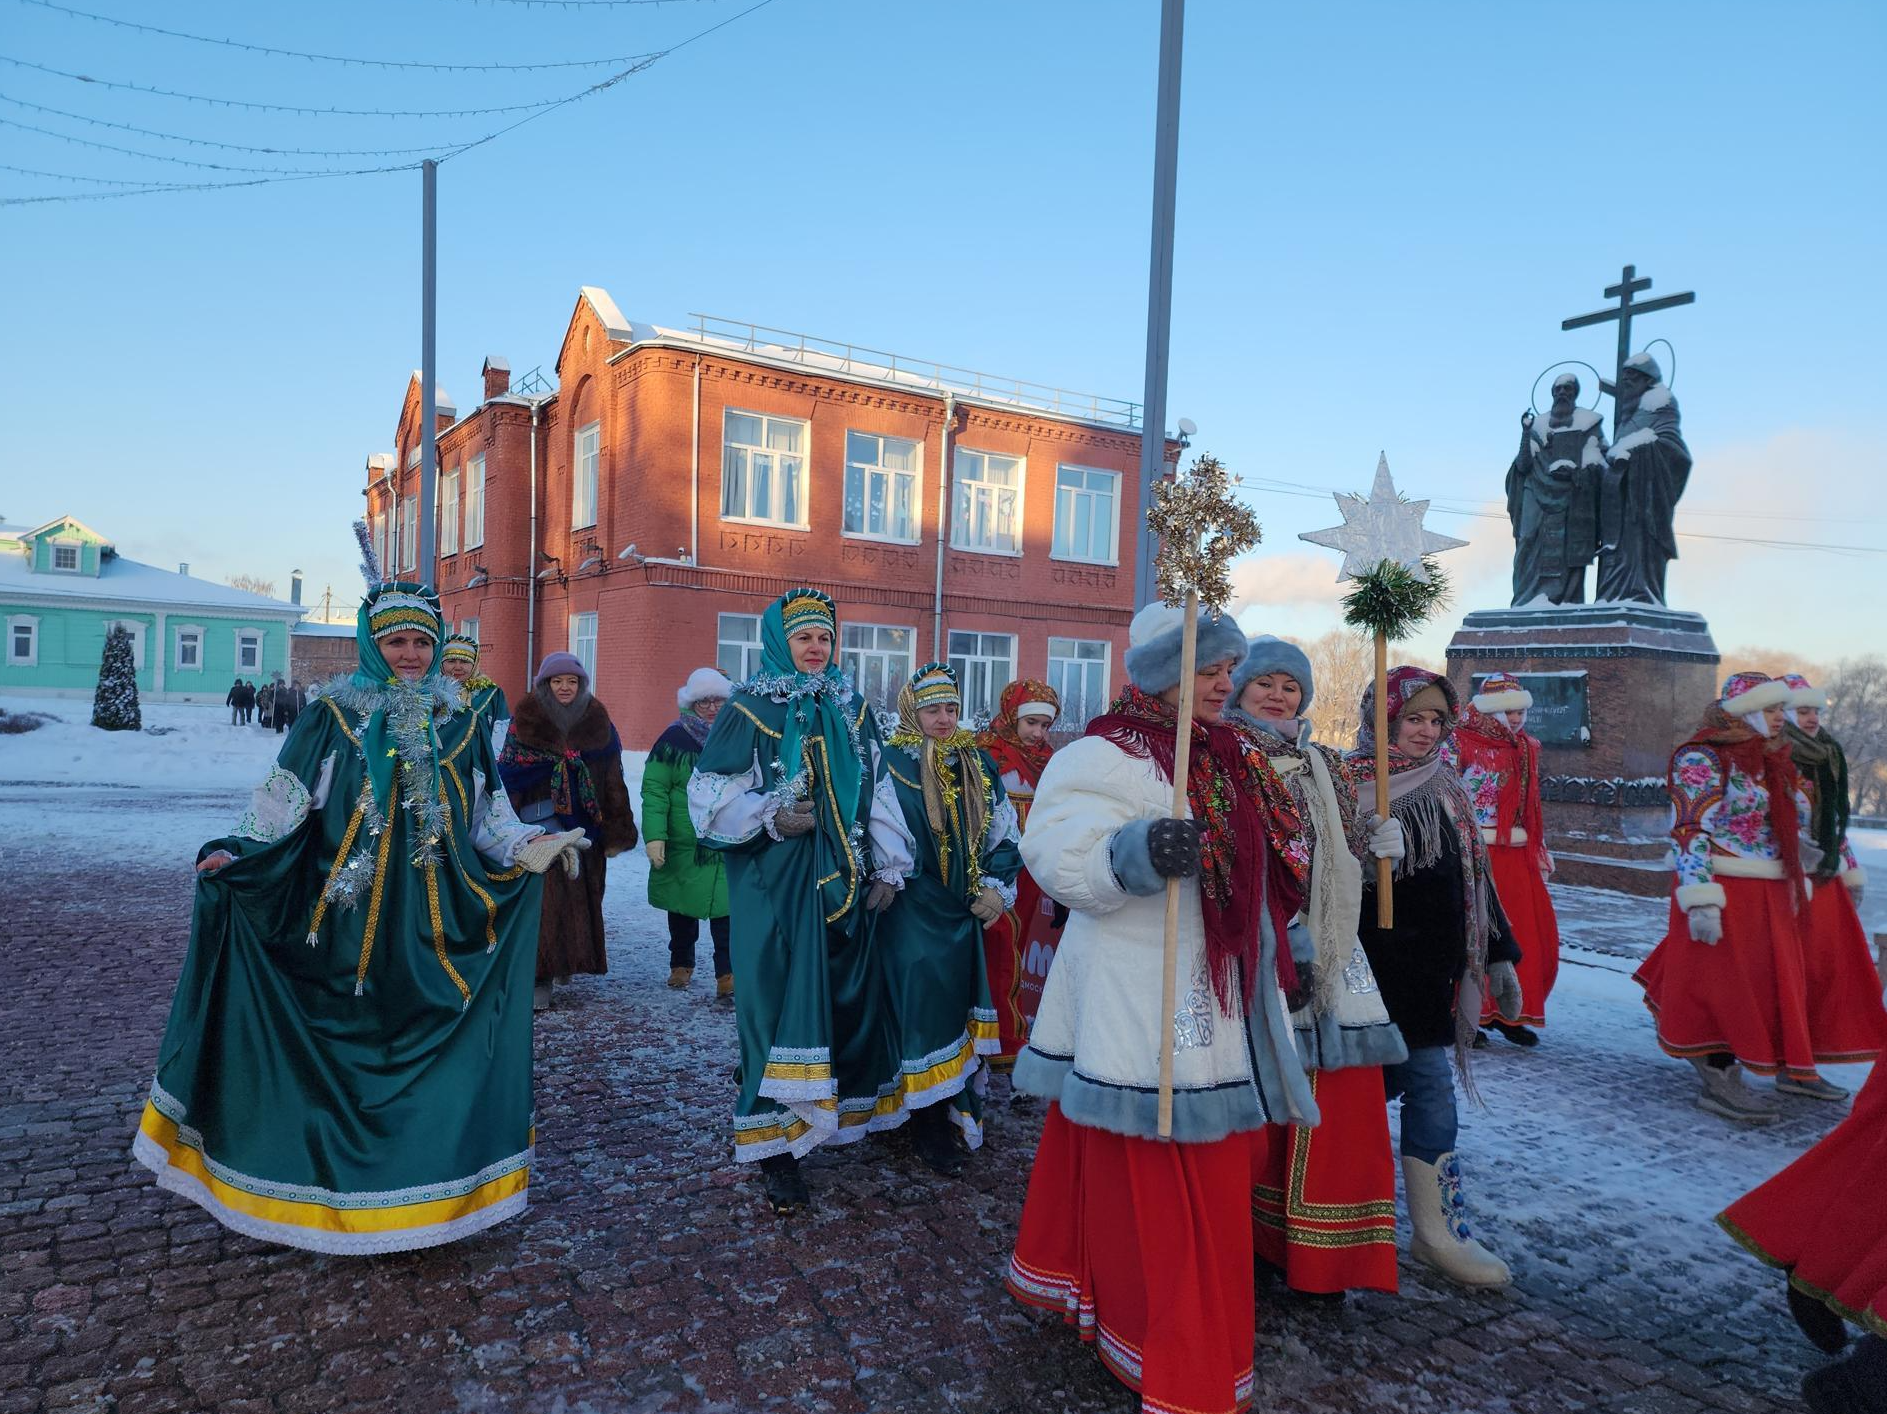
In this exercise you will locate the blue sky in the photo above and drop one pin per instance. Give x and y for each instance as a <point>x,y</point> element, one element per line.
<point>1384,212</point>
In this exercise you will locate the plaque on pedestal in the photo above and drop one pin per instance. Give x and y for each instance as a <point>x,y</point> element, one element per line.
<point>1623,684</point>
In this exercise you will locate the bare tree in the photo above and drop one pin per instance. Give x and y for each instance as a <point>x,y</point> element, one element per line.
<point>1775,662</point>
<point>1343,663</point>
<point>253,583</point>
<point>1857,717</point>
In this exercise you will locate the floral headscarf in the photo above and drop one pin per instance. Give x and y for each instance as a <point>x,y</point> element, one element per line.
<point>1002,739</point>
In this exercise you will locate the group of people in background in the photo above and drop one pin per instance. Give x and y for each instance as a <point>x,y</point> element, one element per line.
<point>276,703</point>
<point>897,911</point>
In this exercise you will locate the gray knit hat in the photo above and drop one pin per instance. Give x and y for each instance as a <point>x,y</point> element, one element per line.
<point>1269,654</point>
<point>1153,644</point>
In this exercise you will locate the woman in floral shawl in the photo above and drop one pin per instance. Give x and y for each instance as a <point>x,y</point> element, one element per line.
<point>791,789</point>
<point>1498,761</point>
<point>1020,945</point>
<point>1449,947</point>
<point>347,1066</point>
<point>1728,984</point>
<point>931,941</point>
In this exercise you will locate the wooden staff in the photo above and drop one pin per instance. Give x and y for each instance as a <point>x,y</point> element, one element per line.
<point>1385,894</point>
<point>1182,762</point>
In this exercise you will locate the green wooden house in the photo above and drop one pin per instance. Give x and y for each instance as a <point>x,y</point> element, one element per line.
<point>62,588</point>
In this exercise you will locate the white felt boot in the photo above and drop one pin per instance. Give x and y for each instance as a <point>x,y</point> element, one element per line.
<point>1440,1218</point>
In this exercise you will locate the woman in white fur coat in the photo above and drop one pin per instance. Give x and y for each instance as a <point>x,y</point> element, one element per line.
<point>1146,1245</point>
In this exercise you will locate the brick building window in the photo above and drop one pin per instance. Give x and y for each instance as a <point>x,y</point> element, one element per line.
<point>382,540</point>
<point>882,485</point>
<point>737,653</point>
<point>1087,515</point>
<point>23,641</point>
<point>989,503</point>
<point>878,657</point>
<point>583,476</point>
<point>583,642</point>
<point>763,469</point>
<point>985,663</point>
<point>1077,670</point>
<point>469,627</point>
<point>449,513</point>
<point>475,502</point>
<point>409,532</point>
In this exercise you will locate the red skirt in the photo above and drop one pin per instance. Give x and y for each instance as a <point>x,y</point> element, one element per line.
<point>1748,995</point>
<point>1145,1248</point>
<point>1323,1200</point>
<point>1823,1218</point>
<point>1017,950</point>
<point>1843,987</point>
<point>1529,908</point>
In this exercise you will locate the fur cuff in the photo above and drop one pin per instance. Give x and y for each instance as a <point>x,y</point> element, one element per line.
<point>1808,697</point>
<point>1513,700</point>
<point>1764,694</point>
<point>1131,861</point>
<point>1691,896</point>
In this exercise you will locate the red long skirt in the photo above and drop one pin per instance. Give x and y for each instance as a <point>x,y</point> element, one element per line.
<point>1536,928</point>
<point>1843,986</point>
<point>1824,1219</point>
<point>1145,1248</point>
<point>1017,951</point>
<point>1323,1200</point>
<point>1749,995</point>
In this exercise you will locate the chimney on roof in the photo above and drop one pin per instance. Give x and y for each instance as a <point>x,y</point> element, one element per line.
<point>497,373</point>
<point>294,586</point>
<point>184,569</point>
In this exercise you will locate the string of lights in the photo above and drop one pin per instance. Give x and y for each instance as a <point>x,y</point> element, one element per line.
<point>442,146</point>
<point>162,156</point>
<point>436,67</point>
<point>73,177</point>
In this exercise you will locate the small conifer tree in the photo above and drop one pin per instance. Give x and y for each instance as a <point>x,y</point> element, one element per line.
<point>115,704</point>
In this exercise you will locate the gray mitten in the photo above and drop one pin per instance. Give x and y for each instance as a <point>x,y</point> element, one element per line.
<point>1173,848</point>
<point>793,820</point>
<point>1503,982</point>
<point>880,896</point>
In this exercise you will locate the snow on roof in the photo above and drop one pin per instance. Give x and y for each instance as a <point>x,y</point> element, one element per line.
<point>307,628</point>
<point>120,579</point>
<point>614,324</point>
<point>13,532</point>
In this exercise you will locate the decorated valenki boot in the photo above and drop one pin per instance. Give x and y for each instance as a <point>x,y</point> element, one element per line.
<point>1440,1217</point>
<point>1725,1094</point>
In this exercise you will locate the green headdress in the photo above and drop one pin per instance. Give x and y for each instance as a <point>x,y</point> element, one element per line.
<point>818,704</point>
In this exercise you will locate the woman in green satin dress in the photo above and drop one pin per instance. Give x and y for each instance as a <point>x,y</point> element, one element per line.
<point>790,787</point>
<point>347,1066</point>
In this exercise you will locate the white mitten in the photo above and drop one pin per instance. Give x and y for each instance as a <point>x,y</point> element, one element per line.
<point>1706,923</point>
<point>1386,840</point>
<point>539,854</point>
<point>658,852</point>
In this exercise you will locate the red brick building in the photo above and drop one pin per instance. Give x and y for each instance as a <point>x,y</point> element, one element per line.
<point>647,510</point>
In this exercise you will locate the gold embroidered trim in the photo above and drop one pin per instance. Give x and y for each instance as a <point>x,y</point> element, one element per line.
<point>747,712</point>
<point>340,859</point>
<point>377,897</point>
<point>439,933</point>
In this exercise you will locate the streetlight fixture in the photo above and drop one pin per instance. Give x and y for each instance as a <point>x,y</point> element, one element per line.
<point>480,575</point>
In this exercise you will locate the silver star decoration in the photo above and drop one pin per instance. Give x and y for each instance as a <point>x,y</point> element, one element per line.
<point>1384,527</point>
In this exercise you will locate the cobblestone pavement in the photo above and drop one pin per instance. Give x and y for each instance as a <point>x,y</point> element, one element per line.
<point>647,1275</point>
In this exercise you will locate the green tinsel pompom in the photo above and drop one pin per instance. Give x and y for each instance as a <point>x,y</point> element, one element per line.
<point>1393,601</point>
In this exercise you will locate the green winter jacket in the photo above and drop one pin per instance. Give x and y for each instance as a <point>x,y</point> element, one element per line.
<point>693,881</point>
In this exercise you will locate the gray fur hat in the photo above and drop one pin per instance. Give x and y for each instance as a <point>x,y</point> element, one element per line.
<point>1269,654</point>
<point>1153,644</point>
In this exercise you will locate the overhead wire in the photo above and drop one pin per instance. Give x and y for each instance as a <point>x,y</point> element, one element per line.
<point>272,51</point>
<point>162,156</point>
<point>233,146</point>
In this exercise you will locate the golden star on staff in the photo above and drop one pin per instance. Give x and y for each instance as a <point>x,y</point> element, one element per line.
<point>1202,527</point>
<point>1383,527</point>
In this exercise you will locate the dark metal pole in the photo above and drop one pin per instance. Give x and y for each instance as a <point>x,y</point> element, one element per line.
<point>428,372</point>
<point>1159,289</point>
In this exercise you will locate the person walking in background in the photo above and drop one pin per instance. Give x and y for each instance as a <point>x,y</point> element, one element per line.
<point>246,700</point>
<point>686,882</point>
<point>234,703</point>
<point>562,762</point>
<point>288,704</point>
<point>265,704</point>
<point>1729,983</point>
<point>1498,761</point>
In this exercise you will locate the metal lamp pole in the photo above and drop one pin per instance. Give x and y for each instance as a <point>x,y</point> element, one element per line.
<point>1159,289</point>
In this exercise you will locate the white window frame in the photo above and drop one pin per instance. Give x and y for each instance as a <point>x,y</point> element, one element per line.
<point>746,651</point>
<point>866,471</point>
<point>383,538</point>
<point>261,638</point>
<point>190,631</point>
<point>1074,496</point>
<point>77,547</point>
<point>29,622</point>
<point>586,460</point>
<point>469,627</point>
<point>577,639</point>
<point>853,659</point>
<point>775,509</point>
<point>409,532</point>
<point>138,632</point>
<point>1073,703</point>
<point>973,489</point>
<point>475,502</point>
<point>449,512</point>
<point>982,674</point>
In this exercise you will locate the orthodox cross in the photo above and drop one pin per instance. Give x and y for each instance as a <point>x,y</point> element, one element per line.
<point>1629,283</point>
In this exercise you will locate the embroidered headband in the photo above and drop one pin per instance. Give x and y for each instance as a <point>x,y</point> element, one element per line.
<point>394,610</point>
<point>808,608</point>
<point>934,685</point>
<point>460,646</point>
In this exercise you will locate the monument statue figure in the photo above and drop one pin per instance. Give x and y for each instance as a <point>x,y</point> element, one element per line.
<point>1553,498</point>
<point>1639,489</point>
